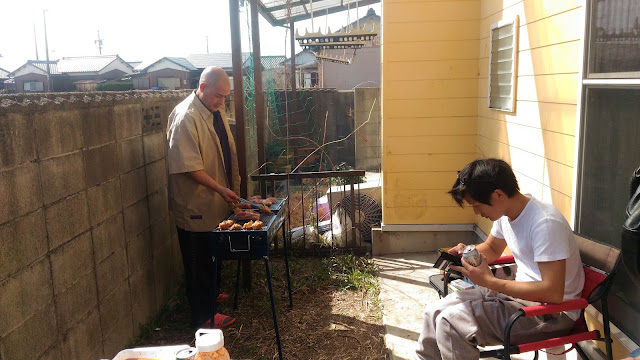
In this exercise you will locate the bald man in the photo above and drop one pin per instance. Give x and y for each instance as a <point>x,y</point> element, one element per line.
<point>203,180</point>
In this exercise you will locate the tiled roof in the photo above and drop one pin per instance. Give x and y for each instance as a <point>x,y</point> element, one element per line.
<point>222,60</point>
<point>177,60</point>
<point>42,65</point>
<point>85,63</point>
<point>267,61</point>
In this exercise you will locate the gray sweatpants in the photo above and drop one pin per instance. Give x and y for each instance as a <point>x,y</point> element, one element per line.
<point>453,327</point>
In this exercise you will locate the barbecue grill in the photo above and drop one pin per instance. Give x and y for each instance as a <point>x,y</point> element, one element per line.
<point>252,245</point>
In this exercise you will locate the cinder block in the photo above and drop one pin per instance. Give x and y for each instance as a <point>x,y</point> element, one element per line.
<point>82,342</point>
<point>33,337</point>
<point>152,117</point>
<point>160,233</point>
<point>101,163</point>
<point>23,295</point>
<point>62,176</point>
<point>104,201</point>
<point>111,272</point>
<point>58,132</point>
<point>158,205</point>
<point>76,302</point>
<point>154,147</point>
<point>16,140</point>
<point>119,338</point>
<point>98,127</point>
<point>133,186</point>
<point>20,191</point>
<point>143,296</point>
<point>67,219</point>
<point>108,237</point>
<point>163,274</point>
<point>128,120</point>
<point>22,241</point>
<point>156,175</point>
<point>71,261</point>
<point>136,219</point>
<point>139,251</point>
<point>130,154</point>
<point>115,308</point>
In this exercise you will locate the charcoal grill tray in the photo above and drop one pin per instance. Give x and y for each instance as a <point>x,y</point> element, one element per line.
<point>248,244</point>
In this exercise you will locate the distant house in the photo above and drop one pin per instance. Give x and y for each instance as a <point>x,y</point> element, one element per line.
<point>70,73</point>
<point>307,75</point>
<point>168,73</point>
<point>221,60</point>
<point>4,76</point>
<point>32,76</point>
<point>273,72</point>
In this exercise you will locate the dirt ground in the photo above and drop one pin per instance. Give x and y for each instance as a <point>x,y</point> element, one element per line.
<point>326,322</point>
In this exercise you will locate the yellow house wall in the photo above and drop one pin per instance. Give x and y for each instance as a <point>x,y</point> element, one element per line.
<point>429,107</point>
<point>435,64</point>
<point>538,139</point>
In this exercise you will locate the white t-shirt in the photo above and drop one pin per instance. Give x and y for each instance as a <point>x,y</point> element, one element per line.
<point>539,234</point>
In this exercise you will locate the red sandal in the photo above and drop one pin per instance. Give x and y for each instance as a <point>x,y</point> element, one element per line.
<point>222,297</point>
<point>220,321</point>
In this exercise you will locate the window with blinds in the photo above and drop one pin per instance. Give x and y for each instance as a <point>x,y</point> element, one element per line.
<point>502,65</point>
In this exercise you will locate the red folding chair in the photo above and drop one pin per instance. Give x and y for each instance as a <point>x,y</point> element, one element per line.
<point>599,263</point>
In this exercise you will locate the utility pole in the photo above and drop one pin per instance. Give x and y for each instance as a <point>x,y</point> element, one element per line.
<point>207,38</point>
<point>99,42</point>
<point>35,39</point>
<point>46,49</point>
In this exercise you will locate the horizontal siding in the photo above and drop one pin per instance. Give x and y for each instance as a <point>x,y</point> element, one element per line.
<point>422,11</point>
<point>414,180</point>
<point>429,110</point>
<point>429,215</point>
<point>552,145</point>
<point>429,162</point>
<point>457,144</point>
<point>555,88</point>
<point>431,50</point>
<point>465,125</point>
<point>555,117</point>
<point>432,89</point>
<point>553,30</point>
<point>418,198</point>
<point>536,61</point>
<point>430,69</point>
<point>410,108</point>
<point>433,31</point>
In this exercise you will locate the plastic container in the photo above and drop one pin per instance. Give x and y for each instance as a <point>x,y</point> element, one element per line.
<point>156,352</point>
<point>210,345</point>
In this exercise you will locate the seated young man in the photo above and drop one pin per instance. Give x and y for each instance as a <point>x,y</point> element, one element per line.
<point>547,257</point>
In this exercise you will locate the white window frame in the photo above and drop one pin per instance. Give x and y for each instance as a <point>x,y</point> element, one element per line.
<point>33,86</point>
<point>511,106</point>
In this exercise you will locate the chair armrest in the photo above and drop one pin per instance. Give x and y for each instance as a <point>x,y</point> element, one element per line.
<point>505,259</point>
<point>545,309</point>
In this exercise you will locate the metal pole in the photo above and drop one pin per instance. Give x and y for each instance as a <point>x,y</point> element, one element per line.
<point>46,48</point>
<point>293,59</point>
<point>258,94</point>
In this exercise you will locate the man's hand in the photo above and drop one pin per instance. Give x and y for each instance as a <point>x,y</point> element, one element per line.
<point>457,250</point>
<point>479,275</point>
<point>228,195</point>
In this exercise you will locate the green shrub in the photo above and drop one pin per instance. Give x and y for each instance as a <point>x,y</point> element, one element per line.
<point>115,86</point>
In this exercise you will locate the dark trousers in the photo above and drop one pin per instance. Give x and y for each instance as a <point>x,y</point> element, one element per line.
<point>198,269</point>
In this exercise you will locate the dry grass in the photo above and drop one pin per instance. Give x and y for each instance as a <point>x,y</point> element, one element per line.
<point>335,313</point>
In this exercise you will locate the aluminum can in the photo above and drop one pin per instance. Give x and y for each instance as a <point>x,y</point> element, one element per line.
<point>187,354</point>
<point>472,255</point>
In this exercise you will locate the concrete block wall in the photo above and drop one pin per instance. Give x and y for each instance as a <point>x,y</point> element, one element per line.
<point>369,136</point>
<point>88,250</point>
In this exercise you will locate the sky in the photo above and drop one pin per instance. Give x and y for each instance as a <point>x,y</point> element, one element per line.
<point>138,30</point>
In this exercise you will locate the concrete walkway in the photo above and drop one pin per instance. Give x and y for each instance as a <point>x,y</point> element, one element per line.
<point>404,293</point>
